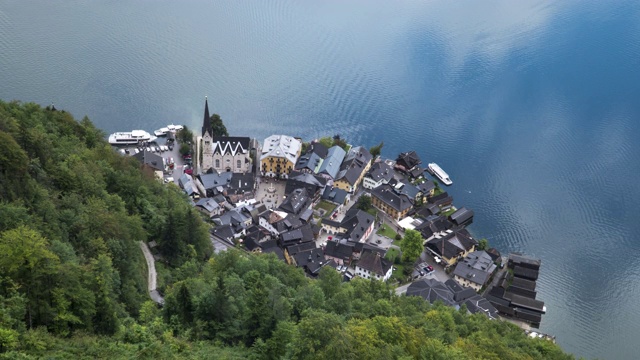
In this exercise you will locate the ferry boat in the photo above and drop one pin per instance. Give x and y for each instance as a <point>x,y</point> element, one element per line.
<point>130,138</point>
<point>438,172</point>
<point>169,128</point>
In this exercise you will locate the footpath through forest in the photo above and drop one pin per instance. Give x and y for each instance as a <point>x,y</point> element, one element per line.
<point>151,266</point>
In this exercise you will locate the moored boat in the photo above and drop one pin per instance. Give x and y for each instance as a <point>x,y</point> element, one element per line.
<point>169,128</point>
<point>440,174</point>
<point>130,138</point>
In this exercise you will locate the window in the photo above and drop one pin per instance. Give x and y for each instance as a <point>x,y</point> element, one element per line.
<point>239,164</point>
<point>217,163</point>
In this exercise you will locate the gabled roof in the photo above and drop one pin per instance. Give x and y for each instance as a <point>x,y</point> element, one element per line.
<point>309,161</point>
<point>281,146</point>
<point>524,261</point>
<point>319,149</point>
<point>454,244</point>
<point>241,183</point>
<point>224,232</point>
<point>461,216</point>
<point>431,290</point>
<point>297,248</point>
<point>230,145</point>
<point>389,196</point>
<point>356,222</point>
<point>332,162</point>
<point>208,204</point>
<point>215,179</point>
<point>441,199</point>
<point>338,250</point>
<point>354,164</point>
<point>476,267</point>
<point>311,259</point>
<point>408,160</point>
<point>150,159</point>
<point>274,250</point>
<point>296,202</point>
<point>381,171</point>
<point>312,183</point>
<point>409,189</point>
<point>426,186</point>
<point>334,195</point>
<point>478,304</point>
<point>374,262</point>
<point>299,235</point>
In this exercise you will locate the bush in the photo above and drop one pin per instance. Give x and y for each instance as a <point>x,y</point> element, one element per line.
<point>398,237</point>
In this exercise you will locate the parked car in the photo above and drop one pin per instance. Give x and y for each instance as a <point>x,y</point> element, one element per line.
<point>168,180</point>
<point>189,171</point>
<point>430,268</point>
<point>170,147</point>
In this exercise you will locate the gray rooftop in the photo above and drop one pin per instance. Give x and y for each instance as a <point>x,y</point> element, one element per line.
<point>331,164</point>
<point>477,267</point>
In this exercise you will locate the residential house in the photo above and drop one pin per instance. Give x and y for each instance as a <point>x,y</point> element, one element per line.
<point>443,201</point>
<point>355,165</point>
<point>408,161</point>
<point>209,207</point>
<point>290,251</point>
<point>151,164</point>
<point>189,186</point>
<point>296,236</point>
<point>373,266</point>
<point>296,202</point>
<point>312,261</point>
<point>314,184</point>
<point>340,253</point>
<point>380,173</point>
<point>434,225</point>
<point>215,183</point>
<point>310,161</point>
<point>475,270</point>
<point>279,155</point>
<point>330,166</point>
<point>453,246</point>
<point>431,290</point>
<point>237,218</point>
<point>356,226</point>
<point>224,233</point>
<point>391,202</point>
<point>336,196</point>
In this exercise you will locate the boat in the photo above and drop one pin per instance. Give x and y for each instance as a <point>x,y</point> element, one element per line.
<point>440,174</point>
<point>169,128</point>
<point>130,138</point>
<point>161,132</point>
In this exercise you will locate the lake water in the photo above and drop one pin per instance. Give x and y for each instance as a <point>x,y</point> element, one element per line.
<point>532,107</point>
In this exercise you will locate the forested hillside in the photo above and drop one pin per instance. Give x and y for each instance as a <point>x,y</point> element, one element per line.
<point>73,279</point>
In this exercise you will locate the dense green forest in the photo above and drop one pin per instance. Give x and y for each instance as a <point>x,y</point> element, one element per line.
<point>73,278</point>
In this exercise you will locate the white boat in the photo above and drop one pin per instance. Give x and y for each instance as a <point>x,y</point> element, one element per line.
<point>438,172</point>
<point>130,138</point>
<point>169,128</point>
<point>161,132</point>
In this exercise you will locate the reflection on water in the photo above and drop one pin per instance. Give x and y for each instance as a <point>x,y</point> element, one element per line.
<point>530,106</point>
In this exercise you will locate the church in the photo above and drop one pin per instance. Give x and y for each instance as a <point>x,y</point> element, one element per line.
<point>223,153</point>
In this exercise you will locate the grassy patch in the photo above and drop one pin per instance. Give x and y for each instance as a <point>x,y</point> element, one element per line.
<point>385,230</point>
<point>398,274</point>
<point>373,212</point>
<point>392,253</point>
<point>326,206</point>
<point>450,211</point>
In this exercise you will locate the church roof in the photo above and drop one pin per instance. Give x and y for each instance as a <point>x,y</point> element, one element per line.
<point>206,122</point>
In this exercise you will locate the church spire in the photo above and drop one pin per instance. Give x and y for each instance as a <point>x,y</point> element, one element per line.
<point>206,123</point>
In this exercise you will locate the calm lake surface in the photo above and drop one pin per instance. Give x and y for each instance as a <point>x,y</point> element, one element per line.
<point>532,107</point>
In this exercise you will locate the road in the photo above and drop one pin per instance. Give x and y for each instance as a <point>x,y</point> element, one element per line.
<point>151,282</point>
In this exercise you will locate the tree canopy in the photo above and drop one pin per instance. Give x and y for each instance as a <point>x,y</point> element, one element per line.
<point>217,126</point>
<point>376,150</point>
<point>411,245</point>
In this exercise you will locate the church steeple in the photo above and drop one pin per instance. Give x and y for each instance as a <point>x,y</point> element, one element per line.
<point>206,123</point>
